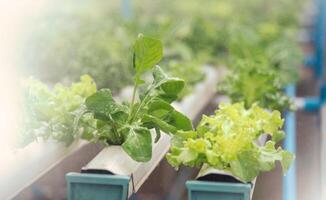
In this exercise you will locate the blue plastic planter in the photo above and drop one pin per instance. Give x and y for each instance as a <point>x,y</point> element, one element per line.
<point>206,190</point>
<point>83,186</point>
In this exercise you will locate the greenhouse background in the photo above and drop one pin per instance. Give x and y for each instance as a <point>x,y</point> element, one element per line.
<point>162,100</point>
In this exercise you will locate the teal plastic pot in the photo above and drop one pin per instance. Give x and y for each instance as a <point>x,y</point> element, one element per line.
<point>83,186</point>
<point>207,190</point>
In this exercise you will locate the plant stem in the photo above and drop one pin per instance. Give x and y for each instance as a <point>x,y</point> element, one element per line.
<point>143,102</point>
<point>134,95</point>
<point>115,130</point>
<point>132,102</point>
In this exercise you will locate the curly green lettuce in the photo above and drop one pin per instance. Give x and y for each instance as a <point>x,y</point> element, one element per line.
<point>228,141</point>
<point>52,113</point>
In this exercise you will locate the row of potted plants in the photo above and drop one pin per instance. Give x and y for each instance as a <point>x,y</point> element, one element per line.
<point>227,141</point>
<point>261,62</point>
<point>102,119</point>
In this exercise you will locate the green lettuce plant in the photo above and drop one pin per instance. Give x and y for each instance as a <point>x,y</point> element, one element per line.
<point>280,52</point>
<point>129,124</point>
<point>253,81</point>
<point>286,57</point>
<point>51,114</point>
<point>228,141</point>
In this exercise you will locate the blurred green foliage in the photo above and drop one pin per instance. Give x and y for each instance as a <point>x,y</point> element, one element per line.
<point>52,113</point>
<point>93,37</point>
<point>256,39</point>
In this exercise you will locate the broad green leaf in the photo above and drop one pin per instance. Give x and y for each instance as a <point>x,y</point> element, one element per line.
<point>246,166</point>
<point>102,104</point>
<point>147,53</point>
<point>170,85</point>
<point>164,126</point>
<point>171,123</point>
<point>173,86</point>
<point>180,121</point>
<point>162,110</point>
<point>159,108</point>
<point>268,155</point>
<point>138,143</point>
<point>168,97</point>
<point>120,117</point>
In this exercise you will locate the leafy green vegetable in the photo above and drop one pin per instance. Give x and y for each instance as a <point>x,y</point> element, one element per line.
<point>147,53</point>
<point>228,141</point>
<point>129,124</point>
<point>253,81</point>
<point>282,54</point>
<point>52,113</point>
<point>285,56</point>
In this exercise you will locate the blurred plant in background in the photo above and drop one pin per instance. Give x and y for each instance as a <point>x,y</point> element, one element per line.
<point>52,113</point>
<point>93,37</point>
<point>79,39</point>
<point>253,81</point>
